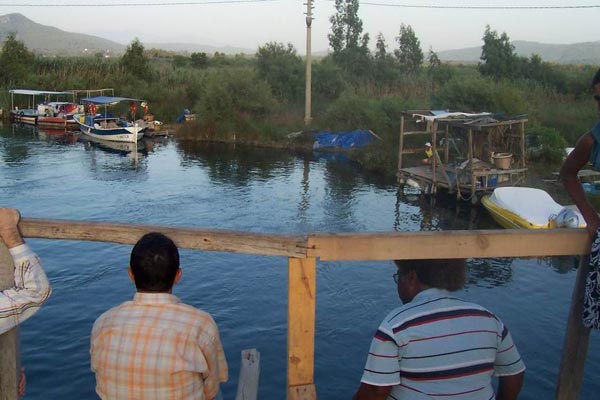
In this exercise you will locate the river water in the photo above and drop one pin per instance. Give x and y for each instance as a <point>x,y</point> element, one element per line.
<point>257,190</point>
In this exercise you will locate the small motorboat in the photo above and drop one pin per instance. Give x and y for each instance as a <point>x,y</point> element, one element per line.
<point>529,208</point>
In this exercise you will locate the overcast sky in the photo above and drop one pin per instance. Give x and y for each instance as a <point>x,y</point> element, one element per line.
<point>252,24</point>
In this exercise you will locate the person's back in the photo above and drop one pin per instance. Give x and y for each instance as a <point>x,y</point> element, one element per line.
<point>447,348</point>
<point>438,346</point>
<point>156,347</point>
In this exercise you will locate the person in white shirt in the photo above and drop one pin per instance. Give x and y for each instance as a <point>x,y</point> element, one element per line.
<point>31,287</point>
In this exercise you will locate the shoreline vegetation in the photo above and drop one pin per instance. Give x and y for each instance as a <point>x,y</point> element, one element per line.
<point>259,99</point>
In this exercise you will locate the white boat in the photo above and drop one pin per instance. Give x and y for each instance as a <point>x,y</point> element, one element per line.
<point>108,126</point>
<point>31,113</point>
<point>529,208</point>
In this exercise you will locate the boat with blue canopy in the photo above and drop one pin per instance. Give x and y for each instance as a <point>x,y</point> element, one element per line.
<point>99,123</point>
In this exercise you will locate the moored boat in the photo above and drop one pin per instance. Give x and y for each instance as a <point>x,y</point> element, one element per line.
<point>31,114</point>
<point>109,126</point>
<point>529,208</point>
<point>57,114</point>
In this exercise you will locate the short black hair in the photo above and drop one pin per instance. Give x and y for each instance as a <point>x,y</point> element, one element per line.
<point>449,274</point>
<point>154,263</point>
<point>596,78</point>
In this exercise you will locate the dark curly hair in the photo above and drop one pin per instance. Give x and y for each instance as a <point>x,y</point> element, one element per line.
<point>154,262</point>
<point>448,274</point>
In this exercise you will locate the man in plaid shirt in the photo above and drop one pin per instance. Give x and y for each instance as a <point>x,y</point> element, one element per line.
<point>155,347</point>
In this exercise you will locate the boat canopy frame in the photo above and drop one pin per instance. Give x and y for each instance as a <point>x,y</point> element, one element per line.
<point>484,135</point>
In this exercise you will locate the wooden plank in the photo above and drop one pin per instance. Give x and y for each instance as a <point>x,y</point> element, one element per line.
<point>451,244</point>
<point>249,373</point>
<point>401,145</point>
<point>576,341</point>
<point>9,341</point>
<point>189,238</point>
<point>301,321</point>
<point>302,392</point>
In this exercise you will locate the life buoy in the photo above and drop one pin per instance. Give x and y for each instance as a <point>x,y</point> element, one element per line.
<point>92,109</point>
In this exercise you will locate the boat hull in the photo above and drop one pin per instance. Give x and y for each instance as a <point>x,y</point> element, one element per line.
<point>506,218</point>
<point>129,134</point>
<point>24,116</point>
<point>526,208</point>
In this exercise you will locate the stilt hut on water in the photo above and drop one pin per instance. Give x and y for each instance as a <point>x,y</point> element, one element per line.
<point>479,151</point>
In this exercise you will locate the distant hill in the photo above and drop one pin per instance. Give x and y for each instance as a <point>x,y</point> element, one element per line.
<point>576,53</point>
<point>42,39</point>
<point>47,40</point>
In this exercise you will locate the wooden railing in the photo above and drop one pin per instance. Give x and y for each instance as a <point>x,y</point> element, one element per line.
<point>303,252</point>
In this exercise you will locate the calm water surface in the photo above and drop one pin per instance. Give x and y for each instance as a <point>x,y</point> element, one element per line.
<point>258,190</point>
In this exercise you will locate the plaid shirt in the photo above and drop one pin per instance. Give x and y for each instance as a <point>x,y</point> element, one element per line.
<point>31,289</point>
<point>156,347</point>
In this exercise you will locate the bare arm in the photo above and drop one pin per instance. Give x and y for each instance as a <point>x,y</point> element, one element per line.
<point>31,287</point>
<point>370,392</point>
<point>509,386</point>
<point>568,174</point>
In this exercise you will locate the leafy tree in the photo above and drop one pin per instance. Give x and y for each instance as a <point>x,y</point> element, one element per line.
<point>384,68</point>
<point>434,60</point>
<point>439,72</point>
<point>328,79</point>
<point>381,48</point>
<point>498,55</point>
<point>135,62</point>
<point>409,54</point>
<point>350,46</point>
<point>282,68</point>
<point>199,60</point>
<point>16,61</point>
<point>180,61</point>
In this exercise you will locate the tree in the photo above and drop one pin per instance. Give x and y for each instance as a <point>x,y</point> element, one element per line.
<point>282,68</point>
<point>381,48</point>
<point>409,54</point>
<point>498,55</point>
<point>199,60</point>
<point>135,61</point>
<point>16,61</point>
<point>350,46</point>
<point>434,60</point>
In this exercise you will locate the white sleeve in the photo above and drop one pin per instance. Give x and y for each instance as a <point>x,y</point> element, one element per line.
<point>30,290</point>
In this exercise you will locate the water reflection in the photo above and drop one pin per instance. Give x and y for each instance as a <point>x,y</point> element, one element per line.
<point>235,164</point>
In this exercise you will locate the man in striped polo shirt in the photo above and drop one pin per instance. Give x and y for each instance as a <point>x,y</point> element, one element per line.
<point>437,346</point>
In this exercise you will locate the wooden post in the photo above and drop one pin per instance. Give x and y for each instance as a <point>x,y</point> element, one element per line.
<point>473,183</point>
<point>433,160</point>
<point>576,341</point>
<point>400,147</point>
<point>302,275</point>
<point>9,341</point>
<point>523,144</point>
<point>249,372</point>
<point>446,145</point>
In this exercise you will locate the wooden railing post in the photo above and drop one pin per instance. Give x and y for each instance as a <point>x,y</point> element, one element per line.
<point>302,274</point>
<point>577,336</point>
<point>9,341</point>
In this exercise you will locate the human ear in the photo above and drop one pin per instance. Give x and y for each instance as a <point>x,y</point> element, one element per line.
<point>177,276</point>
<point>130,273</point>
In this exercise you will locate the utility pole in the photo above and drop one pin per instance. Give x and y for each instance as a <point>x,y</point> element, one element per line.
<point>307,94</point>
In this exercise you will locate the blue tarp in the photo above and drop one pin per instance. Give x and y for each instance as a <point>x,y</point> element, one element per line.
<point>342,140</point>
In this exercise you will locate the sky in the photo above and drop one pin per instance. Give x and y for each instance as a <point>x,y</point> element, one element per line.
<point>252,23</point>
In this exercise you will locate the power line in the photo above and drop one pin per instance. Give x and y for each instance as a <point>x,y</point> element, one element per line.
<point>170,3</point>
<point>432,6</point>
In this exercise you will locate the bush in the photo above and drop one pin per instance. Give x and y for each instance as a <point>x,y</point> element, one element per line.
<point>480,94</point>
<point>545,144</point>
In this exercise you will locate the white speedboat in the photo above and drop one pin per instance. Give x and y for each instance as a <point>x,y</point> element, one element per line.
<point>529,208</point>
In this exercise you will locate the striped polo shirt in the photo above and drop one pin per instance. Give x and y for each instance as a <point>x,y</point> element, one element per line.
<point>438,346</point>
